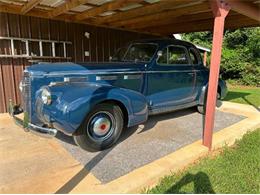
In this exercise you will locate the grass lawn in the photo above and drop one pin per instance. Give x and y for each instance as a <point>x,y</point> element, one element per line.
<point>244,95</point>
<point>235,170</point>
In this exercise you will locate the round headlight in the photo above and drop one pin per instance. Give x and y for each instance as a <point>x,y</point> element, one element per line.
<point>46,96</point>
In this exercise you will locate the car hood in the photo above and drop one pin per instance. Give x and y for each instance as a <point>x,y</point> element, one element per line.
<point>68,68</point>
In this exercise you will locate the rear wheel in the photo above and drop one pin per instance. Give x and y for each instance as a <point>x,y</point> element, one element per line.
<point>202,108</point>
<point>101,128</point>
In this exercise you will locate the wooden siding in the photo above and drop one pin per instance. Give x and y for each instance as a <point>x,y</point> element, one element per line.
<point>102,43</point>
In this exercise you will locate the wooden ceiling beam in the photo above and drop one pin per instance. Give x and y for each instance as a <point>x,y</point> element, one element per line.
<point>139,21</point>
<point>110,6</point>
<point>145,10</point>
<point>29,5</point>
<point>181,19</point>
<point>36,12</point>
<point>8,8</point>
<point>66,7</point>
<point>232,22</point>
<point>245,8</point>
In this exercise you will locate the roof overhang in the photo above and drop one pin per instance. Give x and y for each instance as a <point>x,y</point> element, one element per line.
<point>159,17</point>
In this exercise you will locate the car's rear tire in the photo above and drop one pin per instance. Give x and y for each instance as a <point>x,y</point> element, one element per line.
<point>202,108</point>
<point>101,128</point>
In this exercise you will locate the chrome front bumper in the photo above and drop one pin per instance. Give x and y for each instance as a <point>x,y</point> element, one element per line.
<point>26,125</point>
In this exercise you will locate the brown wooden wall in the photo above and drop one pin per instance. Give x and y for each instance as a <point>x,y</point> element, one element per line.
<point>101,44</point>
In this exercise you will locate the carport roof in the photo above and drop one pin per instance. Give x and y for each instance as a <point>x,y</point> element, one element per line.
<point>159,17</point>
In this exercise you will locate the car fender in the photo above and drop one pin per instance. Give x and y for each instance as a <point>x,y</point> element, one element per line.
<point>222,88</point>
<point>72,102</point>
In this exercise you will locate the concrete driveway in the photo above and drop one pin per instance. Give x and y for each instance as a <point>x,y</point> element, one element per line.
<point>32,164</point>
<point>159,136</point>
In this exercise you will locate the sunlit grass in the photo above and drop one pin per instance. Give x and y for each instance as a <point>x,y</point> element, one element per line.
<point>234,170</point>
<point>244,95</point>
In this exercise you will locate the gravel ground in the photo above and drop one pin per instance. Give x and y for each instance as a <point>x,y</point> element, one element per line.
<point>159,136</point>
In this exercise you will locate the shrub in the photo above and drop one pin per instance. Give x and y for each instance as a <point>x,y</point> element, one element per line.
<point>240,53</point>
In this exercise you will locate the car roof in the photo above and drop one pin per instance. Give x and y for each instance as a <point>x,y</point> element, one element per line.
<point>165,41</point>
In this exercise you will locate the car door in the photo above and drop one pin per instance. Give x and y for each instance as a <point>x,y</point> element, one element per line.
<point>200,71</point>
<point>171,79</point>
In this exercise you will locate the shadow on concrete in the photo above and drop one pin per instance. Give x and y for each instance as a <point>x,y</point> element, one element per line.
<point>65,138</point>
<point>75,180</point>
<point>153,120</point>
<point>234,95</point>
<point>201,181</point>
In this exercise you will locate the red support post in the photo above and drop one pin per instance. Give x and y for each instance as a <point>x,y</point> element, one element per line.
<point>220,10</point>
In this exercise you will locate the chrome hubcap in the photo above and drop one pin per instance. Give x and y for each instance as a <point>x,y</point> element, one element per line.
<point>101,126</point>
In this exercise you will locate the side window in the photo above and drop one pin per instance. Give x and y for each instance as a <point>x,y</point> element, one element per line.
<point>173,55</point>
<point>194,56</point>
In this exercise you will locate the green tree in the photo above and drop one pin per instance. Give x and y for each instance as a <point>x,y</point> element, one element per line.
<point>240,53</point>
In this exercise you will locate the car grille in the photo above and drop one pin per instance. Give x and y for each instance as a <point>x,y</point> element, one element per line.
<point>27,94</point>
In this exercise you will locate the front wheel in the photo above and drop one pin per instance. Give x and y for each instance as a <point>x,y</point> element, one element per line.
<point>101,128</point>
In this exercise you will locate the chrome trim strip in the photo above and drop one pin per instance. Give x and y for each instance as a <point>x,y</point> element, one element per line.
<point>75,79</point>
<point>160,110</point>
<point>109,78</point>
<point>109,73</point>
<point>135,76</point>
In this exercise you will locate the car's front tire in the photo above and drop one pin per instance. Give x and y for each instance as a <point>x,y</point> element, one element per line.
<point>101,128</point>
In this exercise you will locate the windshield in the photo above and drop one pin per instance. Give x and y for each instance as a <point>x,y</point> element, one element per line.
<point>137,52</point>
<point>119,55</point>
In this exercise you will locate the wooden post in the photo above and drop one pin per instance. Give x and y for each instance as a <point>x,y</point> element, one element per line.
<point>220,10</point>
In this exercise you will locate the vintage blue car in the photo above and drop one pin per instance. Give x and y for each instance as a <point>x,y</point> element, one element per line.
<point>94,102</point>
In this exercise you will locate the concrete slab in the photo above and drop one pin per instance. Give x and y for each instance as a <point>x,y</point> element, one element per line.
<point>31,164</point>
<point>149,174</point>
<point>36,165</point>
<point>159,136</point>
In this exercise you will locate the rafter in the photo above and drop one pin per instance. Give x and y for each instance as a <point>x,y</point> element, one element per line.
<point>245,8</point>
<point>29,5</point>
<point>145,10</point>
<point>232,22</point>
<point>111,6</point>
<point>66,7</point>
<point>36,12</point>
<point>182,19</point>
<point>179,19</point>
<point>186,17</point>
<point>140,21</point>
<point>6,8</point>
